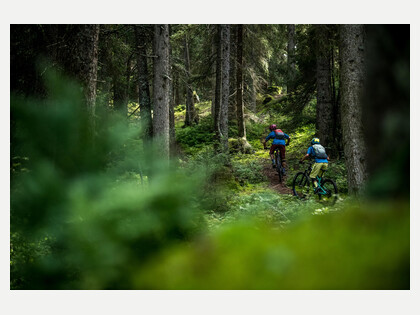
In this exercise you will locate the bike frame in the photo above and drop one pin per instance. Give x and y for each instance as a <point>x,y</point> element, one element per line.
<point>318,179</point>
<point>323,191</point>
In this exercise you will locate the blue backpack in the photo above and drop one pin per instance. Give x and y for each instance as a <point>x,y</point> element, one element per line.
<point>319,151</point>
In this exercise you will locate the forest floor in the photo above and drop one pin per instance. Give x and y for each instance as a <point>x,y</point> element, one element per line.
<point>273,180</point>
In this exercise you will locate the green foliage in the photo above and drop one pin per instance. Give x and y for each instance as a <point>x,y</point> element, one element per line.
<point>24,252</point>
<point>248,170</point>
<point>196,137</point>
<point>366,248</point>
<point>87,215</point>
<point>255,131</point>
<point>274,90</point>
<point>180,108</point>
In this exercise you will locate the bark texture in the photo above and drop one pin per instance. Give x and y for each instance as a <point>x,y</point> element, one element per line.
<point>291,63</point>
<point>325,110</point>
<point>240,83</point>
<point>143,73</point>
<point>352,80</point>
<point>171,103</point>
<point>190,111</point>
<point>232,111</point>
<point>224,104</point>
<point>253,94</point>
<point>161,89</point>
<point>218,84</point>
<point>79,58</point>
<point>214,53</point>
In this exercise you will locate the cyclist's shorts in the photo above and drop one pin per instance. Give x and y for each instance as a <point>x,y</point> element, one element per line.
<point>317,169</point>
<point>282,150</point>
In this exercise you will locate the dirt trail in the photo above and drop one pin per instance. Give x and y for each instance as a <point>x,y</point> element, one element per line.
<point>273,179</point>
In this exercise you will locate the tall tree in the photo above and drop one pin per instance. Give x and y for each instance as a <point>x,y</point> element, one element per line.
<point>79,58</point>
<point>240,82</point>
<point>144,92</point>
<point>171,102</point>
<point>337,130</point>
<point>352,80</point>
<point>386,109</point>
<point>190,111</point>
<point>224,103</point>
<point>218,85</point>
<point>215,64</point>
<point>232,110</point>
<point>121,84</point>
<point>325,111</point>
<point>291,63</point>
<point>161,89</point>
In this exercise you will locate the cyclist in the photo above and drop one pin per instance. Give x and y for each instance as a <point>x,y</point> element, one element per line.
<point>317,151</point>
<point>279,141</point>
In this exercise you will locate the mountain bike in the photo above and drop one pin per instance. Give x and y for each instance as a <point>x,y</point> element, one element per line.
<point>279,164</point>
<point>304,190</point>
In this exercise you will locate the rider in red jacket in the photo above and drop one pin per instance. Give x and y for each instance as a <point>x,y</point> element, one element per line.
<point>279,142</point>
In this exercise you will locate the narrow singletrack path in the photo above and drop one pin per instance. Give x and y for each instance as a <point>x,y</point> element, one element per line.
<point>273,180</point>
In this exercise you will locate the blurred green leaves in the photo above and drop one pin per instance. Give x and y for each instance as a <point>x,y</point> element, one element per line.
<point>361,248</point>
<point>104,213</point>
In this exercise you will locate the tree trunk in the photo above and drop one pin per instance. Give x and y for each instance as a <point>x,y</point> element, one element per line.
<point>80,59</point>
<point>337,132</point>
<point>218,86</point>
<point>352,77</point>
<point>161,88</point>
<point>291,65</point>
<point>214,52</point>
<point>253,93</point>
<point>119,94</point>
<point>224,104</point>
<point>144,92</point>
<point>190,112</point>
<point>171,104</point>
<point>240,83</point>
<point>172,138</point>
<point>324,112</point>
<point>232,110</point>
<point>177,97</point>
<point>121,88</point>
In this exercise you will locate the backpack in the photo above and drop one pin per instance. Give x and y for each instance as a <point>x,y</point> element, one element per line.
<point>319,151</point>
<point>278,134</point>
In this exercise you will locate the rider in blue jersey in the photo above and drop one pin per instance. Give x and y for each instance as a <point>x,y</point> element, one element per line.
<point>279,141</point>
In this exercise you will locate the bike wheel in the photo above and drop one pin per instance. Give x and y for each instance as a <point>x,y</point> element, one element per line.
<point>279,167</point>
<point>302,186</point>
<point>328,194</point>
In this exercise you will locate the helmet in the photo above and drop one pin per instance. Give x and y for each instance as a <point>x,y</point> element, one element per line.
<point>315,140</point>
<point>272,127</point>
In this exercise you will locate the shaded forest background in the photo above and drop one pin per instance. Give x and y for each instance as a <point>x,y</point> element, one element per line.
<point>136,157</point>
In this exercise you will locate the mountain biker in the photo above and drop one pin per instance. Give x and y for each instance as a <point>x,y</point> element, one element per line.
<point>317,151</point>
<point>279,142</point>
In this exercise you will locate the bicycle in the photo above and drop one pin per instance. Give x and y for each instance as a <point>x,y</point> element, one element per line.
<point>279,164</point>
<point>302,187</point>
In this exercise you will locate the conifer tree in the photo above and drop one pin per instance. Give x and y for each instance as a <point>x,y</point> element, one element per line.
<point>352,80</point>
<point>161,89</point>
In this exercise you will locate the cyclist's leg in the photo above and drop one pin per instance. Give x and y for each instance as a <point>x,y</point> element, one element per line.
<point>323,168</point>
<point>283,157</point>
<point>316,168</point>
<point>272,154</point>
<point>282,150</point>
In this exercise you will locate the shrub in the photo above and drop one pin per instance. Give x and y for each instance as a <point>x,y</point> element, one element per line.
<point>248,171</point>
<point>197,135</point>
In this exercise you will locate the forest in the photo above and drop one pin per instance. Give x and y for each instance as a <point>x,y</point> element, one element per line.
<point>139,157</point>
